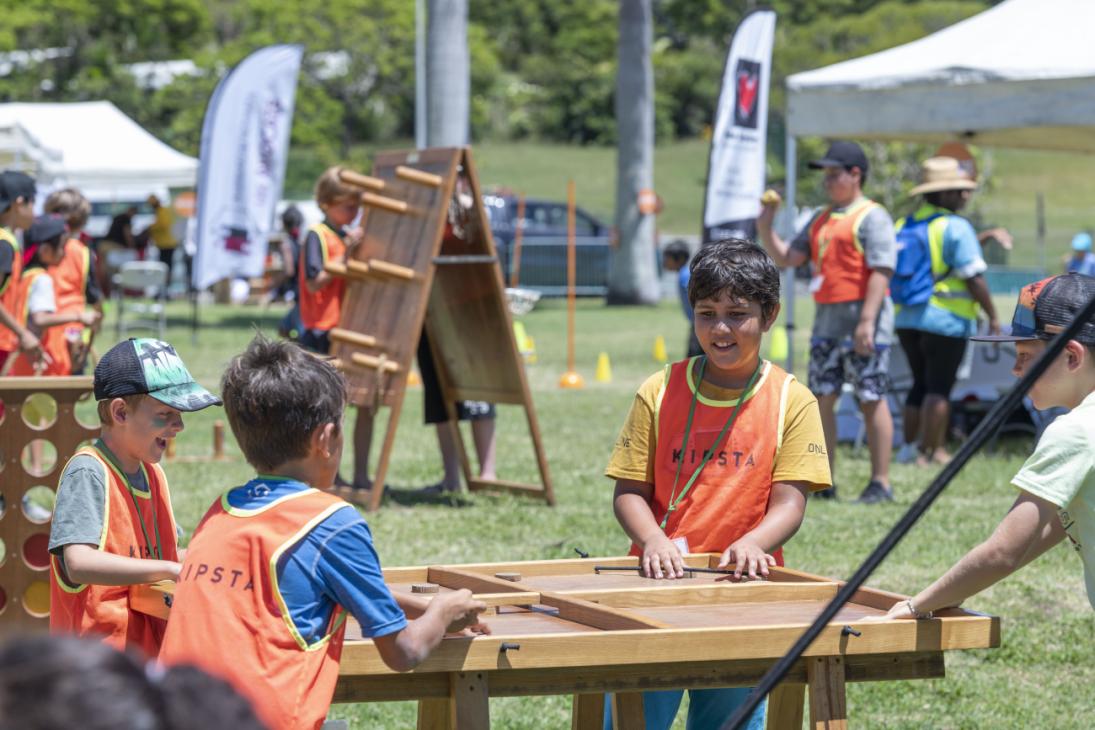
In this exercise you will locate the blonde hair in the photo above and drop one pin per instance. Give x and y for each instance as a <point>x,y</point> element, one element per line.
<point>70,203</point>
<point>330,188</point>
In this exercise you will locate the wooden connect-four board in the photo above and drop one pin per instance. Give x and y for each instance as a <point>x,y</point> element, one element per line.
<point>39,431</point>
<point>561,627</point>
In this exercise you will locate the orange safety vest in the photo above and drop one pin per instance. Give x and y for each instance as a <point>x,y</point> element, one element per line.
<point>837,253</point>
<point>9,292</point>
<point>70,278</point>
<point>229,617</point>
<point>130,531</point>
<point>52,338</point>
<point>320,310</point>
<point>730,496</point>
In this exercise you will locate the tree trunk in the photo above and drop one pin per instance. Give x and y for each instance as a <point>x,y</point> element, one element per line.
<point>633,279</point>
<point>448,76</point>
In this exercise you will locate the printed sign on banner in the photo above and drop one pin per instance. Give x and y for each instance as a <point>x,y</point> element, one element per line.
<point>244,145</point>
<point>736,167</point>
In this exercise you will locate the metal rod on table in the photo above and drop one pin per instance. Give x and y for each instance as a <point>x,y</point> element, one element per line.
<point>980,435</point>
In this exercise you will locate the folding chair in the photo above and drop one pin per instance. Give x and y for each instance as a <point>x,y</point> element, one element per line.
<point>150,279</point>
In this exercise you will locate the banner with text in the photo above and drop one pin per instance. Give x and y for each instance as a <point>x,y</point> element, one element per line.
<point>244,144</point>
<point>736,166</point>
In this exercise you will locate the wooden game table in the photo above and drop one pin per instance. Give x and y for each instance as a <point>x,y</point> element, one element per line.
<point>560,627</point>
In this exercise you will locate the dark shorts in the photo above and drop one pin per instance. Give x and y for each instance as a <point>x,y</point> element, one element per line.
<point>433,404</point>
<point>834,362</point>
<point>934,361</point>
<point>315,340</point>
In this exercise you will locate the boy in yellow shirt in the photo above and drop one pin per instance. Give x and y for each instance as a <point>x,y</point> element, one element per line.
<point>725,466</point>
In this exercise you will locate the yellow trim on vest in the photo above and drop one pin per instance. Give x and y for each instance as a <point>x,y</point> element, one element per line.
<point>241,512</point>
<point>724,403</point>
<point>124,478</point>
<point>339,615</point>
<point>93,453</point>
<point>950,294</point>
<point>7,235</point>
<point>319,229</point>
<point>666,371</point>
<point>782,410</point>
<point>26,279</point>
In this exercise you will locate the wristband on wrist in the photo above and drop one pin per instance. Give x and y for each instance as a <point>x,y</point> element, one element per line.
<point>915,613</point>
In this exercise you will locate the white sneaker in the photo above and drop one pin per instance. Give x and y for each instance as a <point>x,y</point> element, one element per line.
<point>907,454</point>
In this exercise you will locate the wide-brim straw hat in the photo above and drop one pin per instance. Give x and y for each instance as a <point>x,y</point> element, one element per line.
<point>942,173</point>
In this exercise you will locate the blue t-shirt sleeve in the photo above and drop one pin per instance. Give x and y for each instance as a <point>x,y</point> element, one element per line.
<point>961,249</point>
<point>350,568</point>
<point>335,565</point>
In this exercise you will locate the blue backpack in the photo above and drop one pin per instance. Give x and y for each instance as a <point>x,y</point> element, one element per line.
<point>912,281</point>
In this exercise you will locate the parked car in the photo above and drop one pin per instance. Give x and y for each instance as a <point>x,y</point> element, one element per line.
<point>543,255</point>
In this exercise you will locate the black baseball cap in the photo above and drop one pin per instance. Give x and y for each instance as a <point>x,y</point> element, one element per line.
<point>45,228</point>
<point>150,367</point>
<point>15,185</point>
<point>842,154</point>
<point>1047,307</point>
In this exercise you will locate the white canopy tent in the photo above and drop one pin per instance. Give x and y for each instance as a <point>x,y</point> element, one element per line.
<point>92,146</point>
<point>1021,74</point>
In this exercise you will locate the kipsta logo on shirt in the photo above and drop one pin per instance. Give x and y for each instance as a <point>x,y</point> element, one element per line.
<point>747,88</point>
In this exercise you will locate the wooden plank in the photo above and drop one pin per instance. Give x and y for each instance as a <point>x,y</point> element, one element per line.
<point>436,714</point>
<point>383,202</point>
<point>587,711</point>
<point>601,617</point>
<point>375,363</point>
<point>828,704</point>
<point>627,711</point>
<point>475,582</point>
<point>470,699</point>
<point>595,681</point>
<point>360,181</point>
<point>410,174</point>
<point>353,338</point>
<point>488,394</point>
<point>669,645</point>
<point>724,592</point>
<point>386,268</point>
<point>785,706</point>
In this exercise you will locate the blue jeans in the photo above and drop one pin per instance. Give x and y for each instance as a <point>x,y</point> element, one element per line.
<point>708,709</point>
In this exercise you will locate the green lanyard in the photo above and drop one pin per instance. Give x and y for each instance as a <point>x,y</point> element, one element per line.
<point>158,552</point>
<point>709,452</point>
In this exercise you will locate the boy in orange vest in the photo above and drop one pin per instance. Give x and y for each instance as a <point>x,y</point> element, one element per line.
<point>75,282</point>
<point>112,525</point>
<point>36,300</point>
<point>277,563</point>
<point>17,192</point>
<point>853,249</point>
<point>719,451</point>
<point>321,294</point>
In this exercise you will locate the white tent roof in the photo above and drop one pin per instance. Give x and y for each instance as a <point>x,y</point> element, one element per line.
<point>92,146</point>
<point>1021,74</point>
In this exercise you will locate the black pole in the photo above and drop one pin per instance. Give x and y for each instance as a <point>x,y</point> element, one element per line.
<point>980,435</point>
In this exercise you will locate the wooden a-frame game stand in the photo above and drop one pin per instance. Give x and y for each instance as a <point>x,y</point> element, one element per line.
<point>427,260</point>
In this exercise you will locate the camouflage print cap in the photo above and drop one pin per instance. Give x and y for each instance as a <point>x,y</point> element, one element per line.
<point>152,367</point>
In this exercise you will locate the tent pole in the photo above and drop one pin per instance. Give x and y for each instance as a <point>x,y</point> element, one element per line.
<point>790,176</point>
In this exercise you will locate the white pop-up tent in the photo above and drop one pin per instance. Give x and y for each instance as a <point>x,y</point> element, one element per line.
<point>1021,74</point>
<point>92,146</point>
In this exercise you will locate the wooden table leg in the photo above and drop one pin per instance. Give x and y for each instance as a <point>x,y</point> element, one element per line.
<point>435,714</point>
<point>587,712</point>
<point>785,705</point>
<point>828,709</point>
<point>627,711</point>
<point>470,699</point>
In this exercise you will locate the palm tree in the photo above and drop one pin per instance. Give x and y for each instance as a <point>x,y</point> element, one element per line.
<point>633,279</point>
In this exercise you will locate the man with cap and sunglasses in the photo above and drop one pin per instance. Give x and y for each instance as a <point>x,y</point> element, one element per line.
<point>1057,483</point>
<point>851,245</point>
<point>937,290</point>
<point>17,192</point>
<point>112,525</point>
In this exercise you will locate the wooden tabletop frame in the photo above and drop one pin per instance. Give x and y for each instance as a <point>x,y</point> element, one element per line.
<point>618,650</point>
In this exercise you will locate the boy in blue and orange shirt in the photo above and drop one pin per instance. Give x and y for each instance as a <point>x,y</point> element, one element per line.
<point>277,563</point>
<point>719,451</point>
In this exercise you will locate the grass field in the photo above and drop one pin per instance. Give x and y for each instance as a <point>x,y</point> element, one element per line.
<point>1043,676</point>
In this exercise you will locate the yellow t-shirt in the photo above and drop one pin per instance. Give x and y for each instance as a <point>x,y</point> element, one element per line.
<point>801,458</point>
<point>160,231</point>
